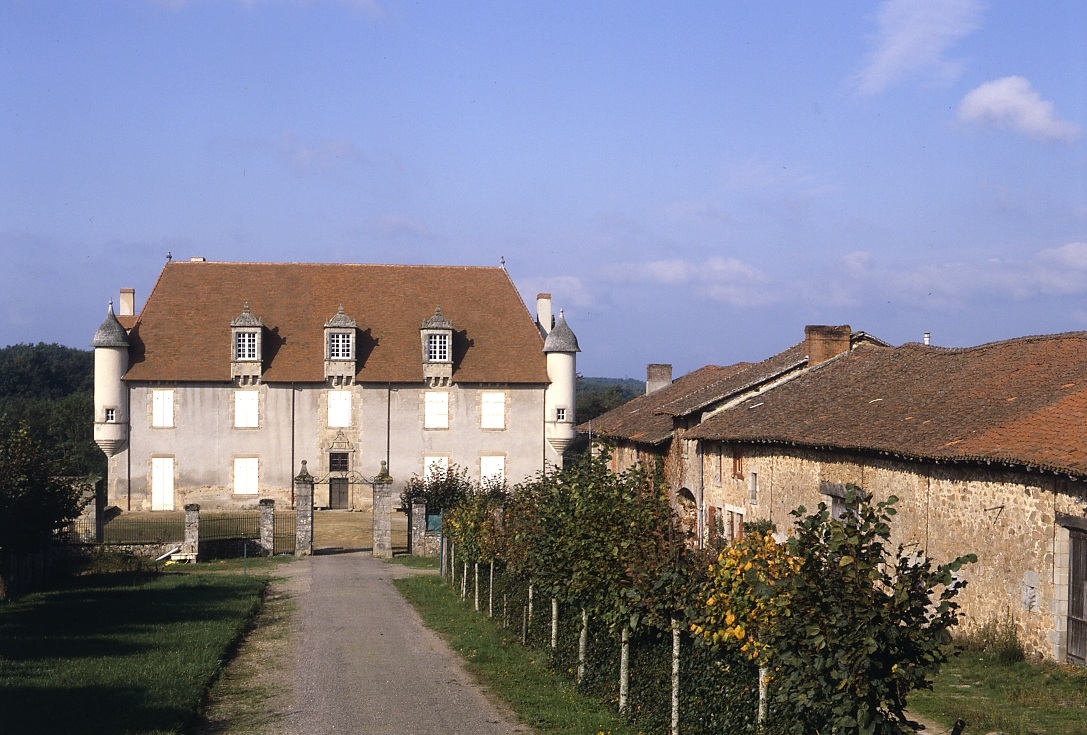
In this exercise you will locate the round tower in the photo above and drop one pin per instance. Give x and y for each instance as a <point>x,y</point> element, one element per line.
<point>110,392</point>
<point>561,349</point>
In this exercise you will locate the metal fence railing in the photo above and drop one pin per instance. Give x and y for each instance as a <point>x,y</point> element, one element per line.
<point>143,528</point>
<point>167,527</point>
<point>284,532</point>
<point>217,526</point>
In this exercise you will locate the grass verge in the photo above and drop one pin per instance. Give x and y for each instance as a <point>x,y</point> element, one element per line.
<point>516,674</point>
<point>415,562</point>
<point>1022,698</point>
<point>130,651</point>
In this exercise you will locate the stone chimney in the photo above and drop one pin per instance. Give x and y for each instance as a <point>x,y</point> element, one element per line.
<point>543,312</point>
<point>823,342</point>
<point>657,376</point>
<point>127,306</point>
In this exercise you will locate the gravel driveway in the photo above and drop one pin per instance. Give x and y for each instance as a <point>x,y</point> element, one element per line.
<point>364,663</point>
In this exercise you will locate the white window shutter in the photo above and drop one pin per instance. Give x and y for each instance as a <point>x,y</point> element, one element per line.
<point>493,410</point>
<point>245,475</point>
<point>339,408</point>
<point>434,467</point>
<point>436,410</point>
<point>492,469</point>
<point>245,409</point>
<point>162,408</point>
<point>162,483</point>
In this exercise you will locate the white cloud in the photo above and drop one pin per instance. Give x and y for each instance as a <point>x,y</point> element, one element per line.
<point>1012,103</point>
<point>858,262</point>
<point>316,156</point>
<point>913,39</point>
<point>694,211</point>
<point>1052,271</point>
<point>393,226</point>
<point>727,280</point>
<point>565,291</point>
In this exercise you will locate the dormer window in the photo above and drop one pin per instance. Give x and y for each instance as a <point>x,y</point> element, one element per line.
<point>437,348</point>
<point>437,336</point>
<point>245,346</point>
<point>340,347</point>
<point>340,367</point>
<point>245,355</point>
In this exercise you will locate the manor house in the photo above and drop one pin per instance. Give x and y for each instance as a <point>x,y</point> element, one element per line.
<point>233,374</point>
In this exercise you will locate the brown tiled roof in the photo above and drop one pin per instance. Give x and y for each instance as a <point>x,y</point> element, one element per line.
<point>748,376</point>
<point>183,332</point>
<point>639,419</point>
<point>1020,402</point>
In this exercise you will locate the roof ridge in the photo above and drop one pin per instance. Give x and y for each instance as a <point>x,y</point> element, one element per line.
<point>310,264</point>
<point>1026,339</point>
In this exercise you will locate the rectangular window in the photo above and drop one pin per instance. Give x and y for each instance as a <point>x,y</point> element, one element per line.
<point>436,410</point>
<point>560,414</point>
<point>435,467</point>
<point>753,488</point>
<point>162,483</point>
<point>111,415</point>
<point>737,465</point>
<point>339,346</point>
<point>162,408</point>
<point>492,469</point>
<point>339,408</point>
<point>493,410</point>
<point>245,409</point>
<point>245,346</point>
<point>437,348</point>
<point>245,475</point>
<point>339,462</point>
<point>735,528</point>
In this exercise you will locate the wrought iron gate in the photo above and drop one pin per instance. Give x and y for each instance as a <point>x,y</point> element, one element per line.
<point>283,532</point>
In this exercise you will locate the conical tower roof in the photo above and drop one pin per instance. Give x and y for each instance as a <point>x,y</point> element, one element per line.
<point>561,338</point>
<point>110,333</point>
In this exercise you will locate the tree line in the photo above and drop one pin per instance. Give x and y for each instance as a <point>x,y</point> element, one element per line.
<point>822,627</point>
<point>49,390</point>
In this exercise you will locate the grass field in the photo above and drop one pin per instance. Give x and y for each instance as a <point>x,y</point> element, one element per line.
<point>129,651</point>
<point>1021,698</point>
<point>516,674</point>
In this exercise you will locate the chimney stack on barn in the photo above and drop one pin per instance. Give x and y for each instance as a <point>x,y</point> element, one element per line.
<point>657,376</point>
<point>823,342</point>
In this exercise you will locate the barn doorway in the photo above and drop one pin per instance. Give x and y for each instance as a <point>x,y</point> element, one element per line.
<point>1077,597</point>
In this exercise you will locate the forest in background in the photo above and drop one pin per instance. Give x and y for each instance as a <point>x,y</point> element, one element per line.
<point>50,388</point>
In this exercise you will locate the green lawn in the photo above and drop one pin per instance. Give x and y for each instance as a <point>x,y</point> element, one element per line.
<point>516,674</point>
<point>122,652</point>
<point>1023,698</point>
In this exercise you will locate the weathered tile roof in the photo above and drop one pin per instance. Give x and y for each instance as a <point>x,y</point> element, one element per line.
<point>183,332</point>
<point>738,381</point>
<point>639,419</point>
<point>1019,402</point>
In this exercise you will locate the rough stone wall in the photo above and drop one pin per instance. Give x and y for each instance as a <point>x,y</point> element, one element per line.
<point>1006,517</point>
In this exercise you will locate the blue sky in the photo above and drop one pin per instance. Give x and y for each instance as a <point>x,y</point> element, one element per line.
<point>693,182</point>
